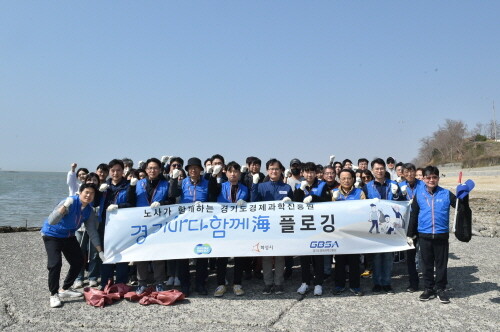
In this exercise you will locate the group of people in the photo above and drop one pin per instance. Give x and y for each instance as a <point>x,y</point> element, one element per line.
<point>77,225</point>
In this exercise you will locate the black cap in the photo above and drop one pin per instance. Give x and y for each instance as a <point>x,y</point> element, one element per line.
<point>193,162</point>
<point>295,161</point>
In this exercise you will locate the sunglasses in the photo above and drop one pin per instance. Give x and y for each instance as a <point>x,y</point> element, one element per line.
<point>176,165</point>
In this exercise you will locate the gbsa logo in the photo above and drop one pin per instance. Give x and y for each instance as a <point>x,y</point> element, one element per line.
<point>201,249</point>
<point>323,244</point>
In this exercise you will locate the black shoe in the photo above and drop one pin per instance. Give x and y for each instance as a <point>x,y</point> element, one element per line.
<point>442,296</point>
<point>201,290</point>
<point>279,289</point>
<point>267,290</point>
<point>185,290</point>
<point>388,289</point>
<point>412,289</point>
<point>377,289</point>
<point>288,273</point>
<point>427,295</point>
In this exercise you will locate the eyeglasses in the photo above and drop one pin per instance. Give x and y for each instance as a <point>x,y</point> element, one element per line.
<point>432,177</point>
<point>153,169</point>
<point>176,165</point>
<point>329,173</point>
<point>274,169</point>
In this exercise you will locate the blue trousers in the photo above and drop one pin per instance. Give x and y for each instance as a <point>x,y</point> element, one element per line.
<point>382,268</point>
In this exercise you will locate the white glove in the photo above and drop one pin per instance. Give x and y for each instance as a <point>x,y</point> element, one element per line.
<point>399,179</point>
<point>335,195</point>
<point>244,169</point>
<point>394,188</point>
<point>332,158</point>
<point>210,169</point>
<point>308,199</point>
<point>403,189</point>
<point>241,202</point>
<point>286,199</point>
<point>303,185</point>
<point>112,207</point>
<point>175,173</point>
<point>255,178</point>
<point>288,173</point>
<point>155,204</point>
<point>197,203</point>
<point>67,203</point>
<point>101,255</point>
<point>216,170</point>
<point>141,163</point>
<point>103,187</point>
<point>357,184</point>
<point>164,159</point>
<point>409,240</point>
<point>133,181</point>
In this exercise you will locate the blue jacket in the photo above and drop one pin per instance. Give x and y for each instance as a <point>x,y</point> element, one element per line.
<point>433,217</point>
<point>159,194</point>
<point>116,194</point>
<point>410,192</point>
<point>225,193</point>
<point>67,226</point>
<point>354,194</point>
<point>270,191</point>
<point>192,193</point>
<point>371,190</point>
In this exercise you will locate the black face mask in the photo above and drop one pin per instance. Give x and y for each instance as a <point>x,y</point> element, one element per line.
<point>295,171</point>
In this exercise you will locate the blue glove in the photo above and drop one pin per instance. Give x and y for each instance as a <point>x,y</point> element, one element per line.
<point>464,189</point>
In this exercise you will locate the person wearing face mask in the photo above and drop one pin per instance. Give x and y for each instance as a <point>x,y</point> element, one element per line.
<point>292,175</point>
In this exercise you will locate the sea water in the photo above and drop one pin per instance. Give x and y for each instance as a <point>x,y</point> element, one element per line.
<point>27,198</point>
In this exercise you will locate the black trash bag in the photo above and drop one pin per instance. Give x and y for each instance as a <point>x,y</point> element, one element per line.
<point>463,226</point>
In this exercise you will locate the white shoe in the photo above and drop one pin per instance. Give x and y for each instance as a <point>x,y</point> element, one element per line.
<point>170,281</point>
<point>318,290</point>
<point>92,283</point>
<point>54,301</point>
<point>70,292</point>
<point>78,284</point>
<point>303,289</point>
<point>177,282</point>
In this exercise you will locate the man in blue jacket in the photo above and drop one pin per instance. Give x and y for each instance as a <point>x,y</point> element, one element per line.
<point>58,233</point>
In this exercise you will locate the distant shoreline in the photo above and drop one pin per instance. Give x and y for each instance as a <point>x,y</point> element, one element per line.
<point>13,229</point>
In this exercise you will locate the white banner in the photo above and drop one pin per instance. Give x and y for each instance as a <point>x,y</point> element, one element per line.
<point>256,229</point>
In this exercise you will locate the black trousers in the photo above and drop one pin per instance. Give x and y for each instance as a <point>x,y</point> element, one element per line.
<point>318,265</point>
<point>70,248</point>
<point>434,254</point>
<point>201,272</point>
<point>239,264</point>
<point>341,261</point>
<point>412,266</point>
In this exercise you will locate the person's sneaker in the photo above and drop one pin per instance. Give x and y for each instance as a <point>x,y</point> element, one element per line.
<point>92,283</point>
<point>377,289</point>
<point>170,281</point>
<point>201,289</point>
<point>318,290</point>
<point>238,290</point>
<point>267,290</point>
<point>177,282</point>
<point>78,284</point>
<point>356,291</point>
<point>366,274</point>
<point>442,296</point>
<point>303,289</point>
<point>412,289</point>
<point>70,292</point>
<point>140,289</point>
<point>160,288</point>
<point>279,289</point>
<point>388,289</point>
<point>427,295</point>
<point>219,291</point>
<point>338,290</point>
<point>55,301</point>
<point>288,274</point>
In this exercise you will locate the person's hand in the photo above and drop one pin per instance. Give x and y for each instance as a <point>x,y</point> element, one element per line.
<point>332,158</point>
<point>399,179</point>
<point>404,189</point>
<point>133,181</point>
<point>164,159</point>
<point>112,207</point>
<point>303,185</point>
<point>288,173</point>
<point>308,199</point>
<point>103,187</point>
<point>394,188</point>
<point>255,178</point>
<point>175,173</point>
<point>141,163</point>
<point>101,255</point>
<point>335,195</point>
<point>216,170</point>
<point>155,205</point>
<point>210,169</point>
<point>67,203</point>
<point>286,199</point>
<point>244,169</point>
<point>357,184</point>
<point>409,240</point>
<point>241,202</point>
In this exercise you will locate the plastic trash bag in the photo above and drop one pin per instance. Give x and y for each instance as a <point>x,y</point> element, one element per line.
<point>149,297</point>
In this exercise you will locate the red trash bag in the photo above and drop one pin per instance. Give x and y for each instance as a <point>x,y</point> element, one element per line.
<point>149,297</point>
<point>98,298</point>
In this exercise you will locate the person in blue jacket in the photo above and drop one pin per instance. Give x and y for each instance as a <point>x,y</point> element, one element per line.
<point>382,188</point>
<point>58,234</point>
<point>273,190</point>
<point>347,192</point>
<point>429,220</point>
<point>231,191</point>
<point>153,192</point>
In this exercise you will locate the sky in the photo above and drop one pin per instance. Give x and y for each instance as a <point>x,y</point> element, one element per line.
<point>89,81</point>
